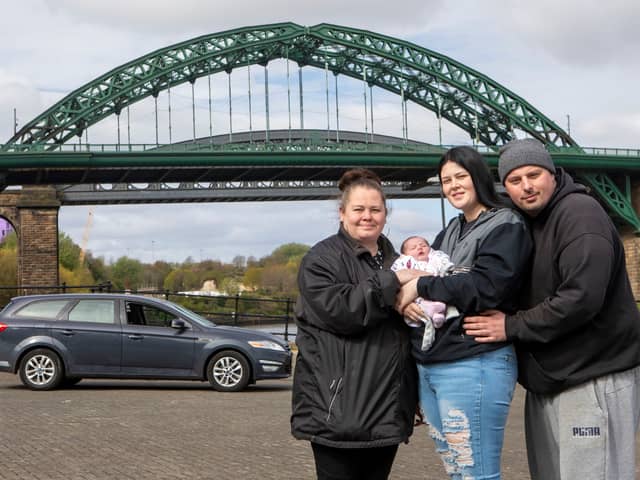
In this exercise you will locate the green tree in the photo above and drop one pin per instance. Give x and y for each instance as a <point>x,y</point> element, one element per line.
<point>286,252</point>
<point>127,273</point>
<point>174,281</point>
<point>96,265</point>
<point>8,273</point>
<point>182,279</point>
<point>8,267</point>
<point>253,278</point>
<point>280,280</point>
<point>10,242</point>
<point>80,276</point>
<point>68,252</point>
<point>280,270</point>
<point>155,274</point>
<point>230,286</point>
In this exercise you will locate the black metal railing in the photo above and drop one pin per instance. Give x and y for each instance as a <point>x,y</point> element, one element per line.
<point>61,288</point>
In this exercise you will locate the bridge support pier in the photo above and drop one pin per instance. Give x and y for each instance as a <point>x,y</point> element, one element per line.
<point>33,212</point>
<point>631,242</point>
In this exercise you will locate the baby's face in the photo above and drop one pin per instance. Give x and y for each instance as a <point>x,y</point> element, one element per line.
<point>417,248</point>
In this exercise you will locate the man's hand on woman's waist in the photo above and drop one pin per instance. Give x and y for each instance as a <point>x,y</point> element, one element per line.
<point>488,327</point>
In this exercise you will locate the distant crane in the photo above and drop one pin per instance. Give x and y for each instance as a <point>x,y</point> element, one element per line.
<point>85,236</point>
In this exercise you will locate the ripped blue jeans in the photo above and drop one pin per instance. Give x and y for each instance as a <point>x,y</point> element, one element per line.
<point>465,404</point>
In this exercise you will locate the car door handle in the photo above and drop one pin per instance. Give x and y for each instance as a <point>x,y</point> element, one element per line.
<point>68,333</point>
<point>136,337</point>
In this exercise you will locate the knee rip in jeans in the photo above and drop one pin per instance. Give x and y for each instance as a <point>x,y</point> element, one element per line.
<point>457,434</point>
<point>444,452</point>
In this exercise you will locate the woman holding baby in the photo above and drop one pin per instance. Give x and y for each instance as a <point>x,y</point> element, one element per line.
<point>466,387</point>
<point>355,384</point>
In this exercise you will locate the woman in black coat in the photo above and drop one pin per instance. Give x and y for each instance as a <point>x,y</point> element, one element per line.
<point>354,390</point>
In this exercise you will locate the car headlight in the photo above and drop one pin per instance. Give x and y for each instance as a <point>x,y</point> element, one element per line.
<point>268,344</point>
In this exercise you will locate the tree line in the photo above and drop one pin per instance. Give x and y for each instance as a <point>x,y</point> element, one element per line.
<point>272,276</point>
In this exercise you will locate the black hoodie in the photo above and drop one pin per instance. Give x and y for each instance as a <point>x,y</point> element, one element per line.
<point>491,259</point>
<point>582,321</point>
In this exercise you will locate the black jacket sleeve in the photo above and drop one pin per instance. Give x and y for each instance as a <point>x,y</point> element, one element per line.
<point>493,278</point>
<point>585,265</point>
<point>328,300</point>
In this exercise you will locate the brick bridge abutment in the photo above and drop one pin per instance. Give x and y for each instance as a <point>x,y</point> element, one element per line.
<point>631,242</point>
<point>33,213</point>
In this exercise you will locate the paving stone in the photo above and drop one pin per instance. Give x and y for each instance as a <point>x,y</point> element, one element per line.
<point>138,430</point>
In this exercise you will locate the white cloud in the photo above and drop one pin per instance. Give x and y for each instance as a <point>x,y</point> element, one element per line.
<point>207,17</point>
<point>14,87</point>
<point>615,130</point>
<point>583,32</point>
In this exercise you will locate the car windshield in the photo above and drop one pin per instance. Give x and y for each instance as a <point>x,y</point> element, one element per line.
<point>193,316</point>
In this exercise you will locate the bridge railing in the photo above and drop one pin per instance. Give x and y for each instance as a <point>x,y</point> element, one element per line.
<point>269,314</point>
<point>297,145</point>
<point>611,151</point>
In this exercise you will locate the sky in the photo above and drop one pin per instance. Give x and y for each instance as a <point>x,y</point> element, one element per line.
<point>573,60</point>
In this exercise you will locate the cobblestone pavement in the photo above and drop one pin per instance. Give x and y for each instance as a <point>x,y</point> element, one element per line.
<point>138,430</point>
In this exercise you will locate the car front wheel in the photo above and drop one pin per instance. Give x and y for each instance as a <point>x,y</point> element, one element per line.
<point>228,371</point>
<point>41,369</point>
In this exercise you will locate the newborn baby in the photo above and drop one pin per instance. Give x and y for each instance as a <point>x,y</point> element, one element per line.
<point>417,254</point>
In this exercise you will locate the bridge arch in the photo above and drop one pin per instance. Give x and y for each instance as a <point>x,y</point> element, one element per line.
<point>8,214</point>
<point>477,104</point>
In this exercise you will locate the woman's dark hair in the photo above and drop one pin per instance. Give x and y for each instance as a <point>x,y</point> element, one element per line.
<point>359,177</point>
<point>483,181</point>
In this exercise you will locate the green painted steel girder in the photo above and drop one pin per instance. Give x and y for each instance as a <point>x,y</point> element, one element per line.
<point>617,201</point>
<point>371,155</point>
<point>463,96</point>
<point>587,166</point>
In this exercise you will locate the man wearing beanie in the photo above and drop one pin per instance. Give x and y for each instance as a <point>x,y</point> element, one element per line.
<point>578,333</point>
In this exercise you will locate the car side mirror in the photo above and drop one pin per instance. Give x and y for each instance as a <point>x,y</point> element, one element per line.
<point>178,324</point>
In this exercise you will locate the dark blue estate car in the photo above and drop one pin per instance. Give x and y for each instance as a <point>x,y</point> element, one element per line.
<point>54,340</point>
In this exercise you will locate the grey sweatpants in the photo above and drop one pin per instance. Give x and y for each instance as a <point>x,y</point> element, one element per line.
<point>587,432</point>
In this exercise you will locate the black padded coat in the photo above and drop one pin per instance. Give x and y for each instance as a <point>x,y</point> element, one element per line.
<point>355,383</point>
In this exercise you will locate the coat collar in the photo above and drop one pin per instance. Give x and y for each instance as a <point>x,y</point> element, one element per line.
<point>388,252</point>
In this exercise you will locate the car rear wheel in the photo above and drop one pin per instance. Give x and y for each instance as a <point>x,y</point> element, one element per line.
<point>41,369</point>
<point>228,371</point>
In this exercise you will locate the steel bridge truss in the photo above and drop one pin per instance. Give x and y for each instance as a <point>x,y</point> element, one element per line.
<point>127,193</point>
<point>487,111</point>
<point>618,201</point>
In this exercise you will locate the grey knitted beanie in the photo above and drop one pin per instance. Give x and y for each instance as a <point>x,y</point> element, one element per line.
<point>518,153</point>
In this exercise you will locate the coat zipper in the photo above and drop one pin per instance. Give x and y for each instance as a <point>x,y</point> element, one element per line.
<point>333,397</point>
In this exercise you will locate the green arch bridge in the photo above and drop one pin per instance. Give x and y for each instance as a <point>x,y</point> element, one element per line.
<point>48,150</point>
